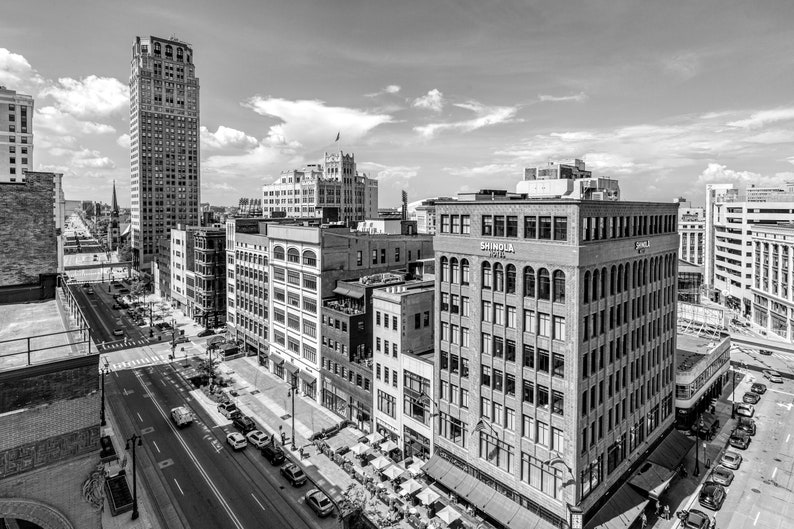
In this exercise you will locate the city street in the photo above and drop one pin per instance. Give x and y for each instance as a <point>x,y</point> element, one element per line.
<point>211,485</point>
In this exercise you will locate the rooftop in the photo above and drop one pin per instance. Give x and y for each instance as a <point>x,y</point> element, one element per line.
<point>693,349</point>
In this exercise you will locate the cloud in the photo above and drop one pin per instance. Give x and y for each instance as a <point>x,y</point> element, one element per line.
<point>575,98</point>
<point>764,117</point>
<point>123,141</point>
<point>92,159</point>
<point>716,173</point>
<point>433,100</point>
<point>16,73</point>
<point>226,137</point>
<point>54,120</point>
<point>90,97</point>
<point>486,116</point>
<point>485,170</point>
<point>391,89</point>
<point>390,172</point>
<point>684,65</point>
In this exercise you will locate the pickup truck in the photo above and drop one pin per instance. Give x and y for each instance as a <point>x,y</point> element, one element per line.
<point>181,416</point>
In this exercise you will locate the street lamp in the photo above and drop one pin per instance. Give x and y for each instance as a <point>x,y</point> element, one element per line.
<point>733,394</point>
<point>132,442</point>
<point>293,388</point>
<point>183,350</point>
<point>103,370</point>
<point>697,447</point>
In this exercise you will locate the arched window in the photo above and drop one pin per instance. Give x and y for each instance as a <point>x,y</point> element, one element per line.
<point>464,272</point>
<point>486,275</point>
<point>309,258</point>
<point>633,275</point>
<point>626,277</point>
<point>157,48</point>
<point>596,281</point>
<point>293,255</point>
<point>604,282</point>
<point>278,253</point>
<point>544,284</point>
<point>444,270</point>
<point>529,282</point>
<point>498,277</point>
<point>510,275</point>
<point>179,54</point>
<point>454,271</point>
<point>559,286</point>
<point>613,279</point>
<point>620,278</point>
<point>586,288</point>
<point>169,51</point>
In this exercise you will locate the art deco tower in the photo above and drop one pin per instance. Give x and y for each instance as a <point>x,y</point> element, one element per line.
<point>164,143</point>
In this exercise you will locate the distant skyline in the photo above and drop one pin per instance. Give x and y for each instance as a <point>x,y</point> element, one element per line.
<point>432,97</point>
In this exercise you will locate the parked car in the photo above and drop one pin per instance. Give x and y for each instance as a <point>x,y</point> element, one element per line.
<point>205,332</point>
<point>90,291</point>
<point>722,476</point>
<point>243,423</point>
<point>86,285</point>
<point>765,352</point>
<point>257,438</point>
<point>118,332</point>
<point>228,409</point>
<point>695,519</point>
<point>293,474</point>
<point>116,306</point>
<point>745,410</point>
<point>712,496</point>
<point>758,388</point>
<point>773,376</point>
<point>751,398</point>
<point>747,424</point>
<point>731,460</point>
<point>273,453</point>
<point>319,503</point>
<point>706,431</point>
<point>181,339</point>
<point>236,440</point>
<point>740,439</point>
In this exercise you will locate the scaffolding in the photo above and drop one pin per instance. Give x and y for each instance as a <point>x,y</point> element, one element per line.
<point>699,320</point>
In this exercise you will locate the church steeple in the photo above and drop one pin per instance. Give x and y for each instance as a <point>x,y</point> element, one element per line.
<point>114,204</point>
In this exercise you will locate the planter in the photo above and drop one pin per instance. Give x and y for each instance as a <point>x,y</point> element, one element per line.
<point>119,495</point>
<point>107,451</point>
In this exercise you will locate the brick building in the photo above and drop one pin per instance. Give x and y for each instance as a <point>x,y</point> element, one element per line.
<point>569,368</point>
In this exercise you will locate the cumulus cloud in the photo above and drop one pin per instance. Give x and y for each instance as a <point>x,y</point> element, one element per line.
<point>226,137</point>
<point>391,89</point>
<point>716,173</point>
<point>684,65</point>
<point>485,170</point>
<point>54,120</point>
<point>90,97</point>
<point>574,98</point>
<point>764,117</point>
<point>433,100</point>
<point>485,116</point>
<point>16,73</point>
<point>391,172</point>
<point>123,141</point>
<point>92,159</point>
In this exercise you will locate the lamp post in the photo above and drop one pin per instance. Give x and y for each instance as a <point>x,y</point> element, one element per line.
<point>697,447</point>
<point>132,442</point>
<point>733,394</point>
<point>293,388</point>
<point>183,350</point>
<point>104,370</point>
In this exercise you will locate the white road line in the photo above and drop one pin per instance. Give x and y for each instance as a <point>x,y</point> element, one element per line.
<point>257,501</point>
<point>177,486</point>
<point>774,472</point>
<point>788,437</point>
<point>158,448</point>
<point>756,517</point>
<point>139,416</point>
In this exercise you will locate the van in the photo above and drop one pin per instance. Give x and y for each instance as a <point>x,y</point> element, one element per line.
<point>273,453</point>
<point>181,416</point>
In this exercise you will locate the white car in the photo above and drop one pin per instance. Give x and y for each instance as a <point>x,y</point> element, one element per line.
<point>773,376</point>
<point>236,440</point>
<point>257,438</point>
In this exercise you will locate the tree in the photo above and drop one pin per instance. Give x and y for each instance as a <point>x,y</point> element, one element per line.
<point>125,252</point>
<point>141,285</point>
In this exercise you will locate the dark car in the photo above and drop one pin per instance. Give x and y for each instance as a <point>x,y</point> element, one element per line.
<point>273,453</point>
<point>740,439</point>
<point>722,476</point>
<point>758,388</point>
<point>695,519</point>
<point>747,424</point>
<point>293,474</point>
<point>244,423</point>
<point>751,398</point>
<point>765,352</point>
<point>712,496</point>
<point>706,431</point>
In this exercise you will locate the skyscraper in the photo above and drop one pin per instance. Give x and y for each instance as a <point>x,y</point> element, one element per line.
<point>16,135</point>
<point>164,143</point>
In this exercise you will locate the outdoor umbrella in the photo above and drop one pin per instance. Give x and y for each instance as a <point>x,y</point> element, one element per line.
<point>388,446</point>
<point>380,463</point>
<point>448,515</point>
<point>374,438</point>
<point>427,496</point>
<point>409,487</point>
<point>359,449</point>
<point>393,471</point>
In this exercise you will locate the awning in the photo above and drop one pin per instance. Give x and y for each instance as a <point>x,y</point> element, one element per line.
<point>620,511</point>
<point>653,479</point>
<point>672,450</point>
<point>307,377</point>
<point>292,368</point>
<point>346,291</point>
<point>277,360</point>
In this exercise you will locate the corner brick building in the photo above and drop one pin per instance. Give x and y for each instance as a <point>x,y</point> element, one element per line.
<point>555,351</point>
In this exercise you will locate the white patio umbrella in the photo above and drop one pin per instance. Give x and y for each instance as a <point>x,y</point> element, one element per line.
<point>379,463</point>
<point>448,515</point>
<point>388,446</point>
<point>427,496</point>
<point>359,448</point>
<point>393,471</point>
<point>374,438</point>
<point>409,487</point>
<point>416,468</point>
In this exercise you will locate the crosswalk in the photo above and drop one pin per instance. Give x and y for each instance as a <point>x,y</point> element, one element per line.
<point>138,362</point>
<point>122,344</point>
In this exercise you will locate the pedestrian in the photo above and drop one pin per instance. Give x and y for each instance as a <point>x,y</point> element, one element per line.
<point>657,508</point>
<point>643,520</point>
<point>666,512</point>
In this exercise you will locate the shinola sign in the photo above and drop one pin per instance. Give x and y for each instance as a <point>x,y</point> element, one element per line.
<point>497,249</point>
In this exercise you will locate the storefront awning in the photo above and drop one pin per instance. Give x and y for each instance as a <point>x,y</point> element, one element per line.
<point>347,292</point>
<point>292,368</point>
<point>620,511</point>
<point>672,450</point>
<point>307,377</point>
<point>277,360</point>
<point>652,479</point>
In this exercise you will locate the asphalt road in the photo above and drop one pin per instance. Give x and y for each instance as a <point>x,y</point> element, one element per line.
<point>207,482</point>
<point>762,493</point>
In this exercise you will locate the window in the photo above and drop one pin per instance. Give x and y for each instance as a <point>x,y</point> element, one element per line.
<point>453,429</point>
<point>374,256</point>
<point>499,226</point>
<point>309,282</point>
<point>293,278</point>
<point>499,314</point>
<point>559,286</point>
<point>309,258</point>
<point>557,402</point>
<point>512,226</point>
<point>487,344</point>
<point>543,477</point>
<point>464,308</point>
<point>528,392</point>
<point>511,317</point>
<point>544,287</point>
<point>487,225</point>
<point>543,360</point>
<point>293,256</point>
<point>530,227</point>
<point>444,223</point>
<point>455,224</point>
<point>557,365</point>
<point>527,427</point>
<point>359,258</point>
<point>544,324</point>
<point>387,403</point>
<point>465,224</point>
<point>542,433</point>
<point>559,328</point>
<point>485,377</point>
<point>496,452</point>
<point>560,228</point>
<point>486,275</point>
<point>530,324</point>
<point>544,228</point>
<point>498,277</point>
<point>464,272</point>
<point>529,282</point>
<point>510,284</point>
<point>397,255</point>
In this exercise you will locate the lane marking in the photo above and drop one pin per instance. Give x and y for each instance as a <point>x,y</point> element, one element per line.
<point>257,502</point>
<point>139,416</point>
<point>158,448</point>
<point>788,437</point>
<point>774,472</point>
<point>180,488</point>
<point>756,517</point>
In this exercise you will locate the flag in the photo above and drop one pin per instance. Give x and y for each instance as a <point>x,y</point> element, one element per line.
<point>337,135</point>
<point>479,427</point>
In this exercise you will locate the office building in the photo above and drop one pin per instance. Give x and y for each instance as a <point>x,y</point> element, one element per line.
<point>424,213</point>
<point>571,357</point>
<point>772,289</point>
<point>164,143</point>
<point>209,267</point>
<point>332,189</point>
<point>16,135</point>
<point>692,229</point>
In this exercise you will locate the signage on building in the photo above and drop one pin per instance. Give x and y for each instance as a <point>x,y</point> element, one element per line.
<point>641,246</point>
<point>497,249</point>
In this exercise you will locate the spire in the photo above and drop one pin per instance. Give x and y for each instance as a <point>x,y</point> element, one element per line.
<point>114,204</point>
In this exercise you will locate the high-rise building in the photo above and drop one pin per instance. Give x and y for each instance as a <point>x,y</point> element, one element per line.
<point>332,189</point>
<point>164,143</point>
<point>16,135</point>
<point>570,366</point>
<point>692,228</point>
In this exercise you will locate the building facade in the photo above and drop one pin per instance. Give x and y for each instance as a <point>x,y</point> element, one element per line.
<point>209,302</point>
<point>701,371</point>
<point>16,135</point>
<point>692,229</point>
<point>164,143</point>
<point>183,281</point>
<point>773,279</point>
<point>569,367</point>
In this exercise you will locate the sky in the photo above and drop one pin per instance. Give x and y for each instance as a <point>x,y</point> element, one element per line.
<point>434,97</point>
